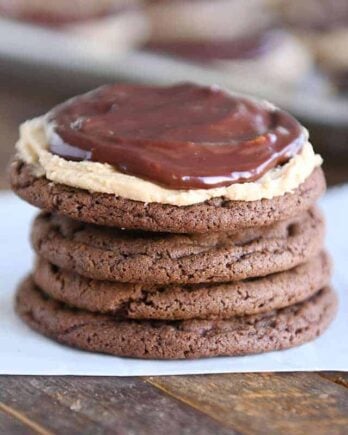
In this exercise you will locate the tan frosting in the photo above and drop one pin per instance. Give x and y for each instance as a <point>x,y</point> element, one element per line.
<point>99,177</point>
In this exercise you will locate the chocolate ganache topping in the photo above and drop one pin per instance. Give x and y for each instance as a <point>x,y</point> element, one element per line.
<point>182,137</point>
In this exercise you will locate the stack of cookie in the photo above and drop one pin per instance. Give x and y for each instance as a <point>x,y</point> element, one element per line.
<point>178,222</point>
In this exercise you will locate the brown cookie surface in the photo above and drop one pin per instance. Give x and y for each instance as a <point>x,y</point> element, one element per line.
<point>217,214</point>
<point>136,257</point>
<point>180,302</point>
<point>279,329</point>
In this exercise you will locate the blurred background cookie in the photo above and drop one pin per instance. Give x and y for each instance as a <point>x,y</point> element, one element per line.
<point>238,37</point>
<point>114,24</point>
<point>323,26</point>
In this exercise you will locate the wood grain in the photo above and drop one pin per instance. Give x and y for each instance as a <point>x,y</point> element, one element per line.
<point>102,405</point>
<point>37,411</point>
<point>296,403</point>
<point>10,425</point>
<point>337,377</point>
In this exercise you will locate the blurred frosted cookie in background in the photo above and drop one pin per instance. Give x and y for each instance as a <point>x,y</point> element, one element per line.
<point>233,35</point>
<point>323,26</point>
<point>199,20</point>
<point>116,24</point>
<point>269,54</point>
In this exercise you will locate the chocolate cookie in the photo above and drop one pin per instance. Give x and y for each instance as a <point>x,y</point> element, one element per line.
<point>178,302</point>
<point>109,254</point>
<point>217,214</point>
<point>275,330</point>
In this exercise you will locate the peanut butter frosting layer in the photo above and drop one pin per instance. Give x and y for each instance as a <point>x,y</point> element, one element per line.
<point>33,149</point>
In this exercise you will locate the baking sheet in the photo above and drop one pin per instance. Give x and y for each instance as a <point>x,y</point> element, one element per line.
<point>24,352</point>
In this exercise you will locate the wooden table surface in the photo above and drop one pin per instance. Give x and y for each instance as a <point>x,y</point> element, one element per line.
<point>288,403</point>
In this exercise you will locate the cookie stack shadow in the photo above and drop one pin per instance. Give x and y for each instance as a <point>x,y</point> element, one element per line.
<point>176,295</point>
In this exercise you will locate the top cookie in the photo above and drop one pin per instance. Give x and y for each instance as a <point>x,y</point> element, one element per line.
<point>181,159</point>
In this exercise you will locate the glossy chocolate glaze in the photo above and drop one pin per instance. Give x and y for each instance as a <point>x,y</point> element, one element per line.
<point>182,137</point>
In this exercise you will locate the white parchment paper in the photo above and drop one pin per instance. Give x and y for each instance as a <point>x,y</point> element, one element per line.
<point>25,352</point>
